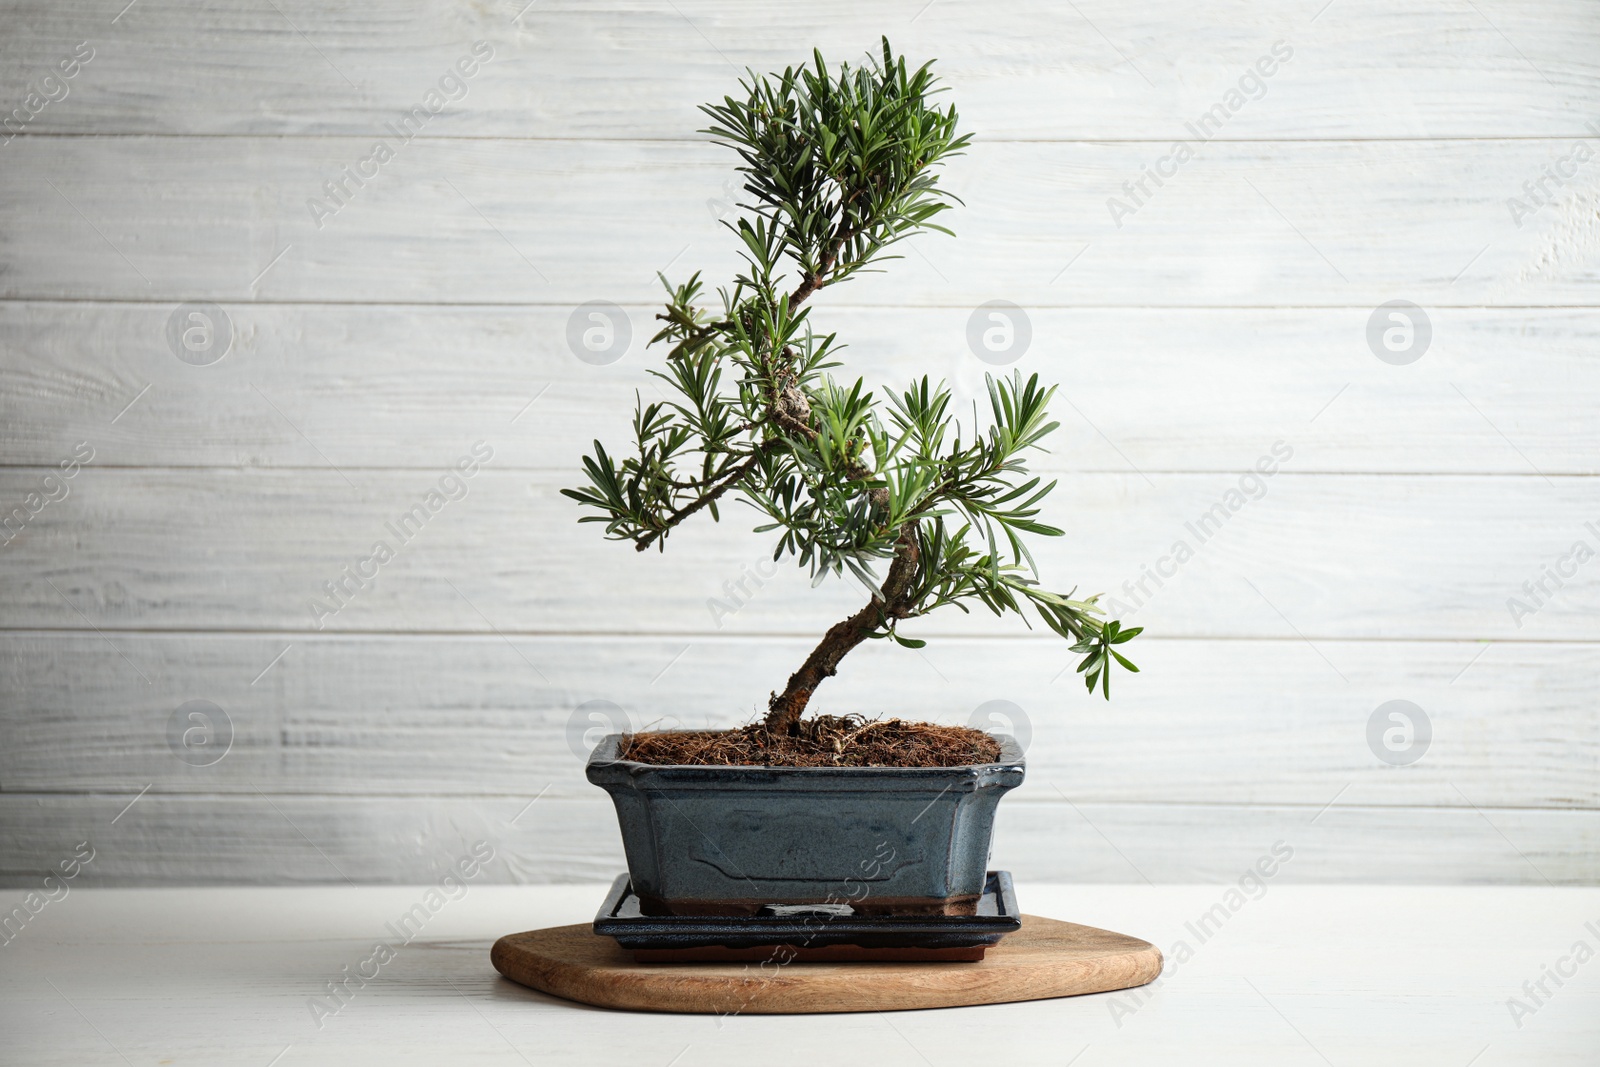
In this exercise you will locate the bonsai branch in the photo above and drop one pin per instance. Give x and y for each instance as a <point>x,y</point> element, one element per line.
<point>809,284</point>
<point>728,479</point>
<point>892,602</point>
<point>812,282</point>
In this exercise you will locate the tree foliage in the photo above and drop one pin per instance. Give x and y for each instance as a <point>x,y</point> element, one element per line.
<point>838,166</point>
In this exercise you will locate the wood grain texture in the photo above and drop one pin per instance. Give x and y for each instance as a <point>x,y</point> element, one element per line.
<point>253,549</point>
<point>372,386</point>
<point>1325,224</point>
<point>1206,722</point>
<point>1020,68</point>
<point>1047,958</point>
<point>386,839</point>
<point>1228,313</point>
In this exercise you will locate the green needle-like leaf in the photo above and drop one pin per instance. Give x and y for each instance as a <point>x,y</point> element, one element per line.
<point>837,164</point>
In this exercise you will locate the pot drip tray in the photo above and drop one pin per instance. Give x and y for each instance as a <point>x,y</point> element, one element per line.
<point>808,933</point>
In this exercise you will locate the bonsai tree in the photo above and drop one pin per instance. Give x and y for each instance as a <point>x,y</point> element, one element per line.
<point>839,167</point>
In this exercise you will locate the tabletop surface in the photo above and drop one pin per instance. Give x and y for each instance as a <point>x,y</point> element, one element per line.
<point>1296,974</point>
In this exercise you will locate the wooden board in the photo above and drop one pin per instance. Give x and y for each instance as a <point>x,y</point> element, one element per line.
<point>1205,723</point>
<point>631,69</point>
<point>391,751</point>
<point>1046,958</point>
<point>1308,224</point>
<point>1304,375</point>
<point>222,549</point>
<point>259,838</point>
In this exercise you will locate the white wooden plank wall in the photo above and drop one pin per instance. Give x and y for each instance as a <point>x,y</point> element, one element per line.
<point>446,702</point>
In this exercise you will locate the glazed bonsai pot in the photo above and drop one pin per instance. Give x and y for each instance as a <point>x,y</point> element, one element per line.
<point>736,840</point>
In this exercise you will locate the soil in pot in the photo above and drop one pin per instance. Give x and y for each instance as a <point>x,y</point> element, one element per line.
<point>823,741</point>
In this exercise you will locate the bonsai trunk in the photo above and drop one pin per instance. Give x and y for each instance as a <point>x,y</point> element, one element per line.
<point>785,708</point>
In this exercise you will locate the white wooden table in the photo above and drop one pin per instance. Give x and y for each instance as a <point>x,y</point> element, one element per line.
<point>1303,975</point>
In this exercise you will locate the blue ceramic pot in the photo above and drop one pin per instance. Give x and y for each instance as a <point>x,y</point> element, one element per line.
<point>733,840</point>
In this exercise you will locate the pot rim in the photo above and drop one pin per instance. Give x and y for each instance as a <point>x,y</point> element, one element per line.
<point>602,761</point>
